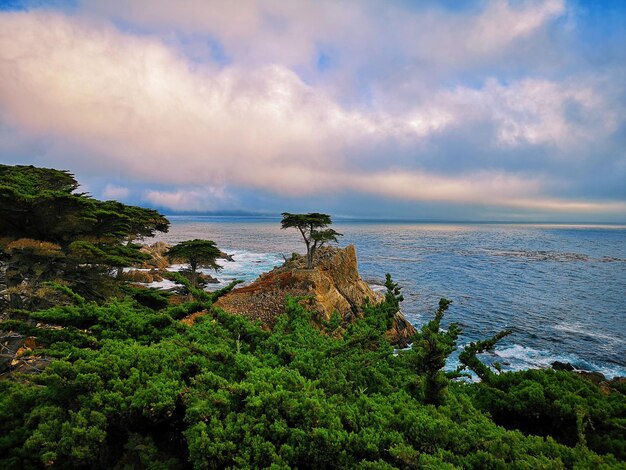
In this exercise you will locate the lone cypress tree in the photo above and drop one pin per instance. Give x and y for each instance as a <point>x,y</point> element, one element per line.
<point>314,231</point>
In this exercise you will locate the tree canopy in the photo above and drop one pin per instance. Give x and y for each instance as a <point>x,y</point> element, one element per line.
<point>51,232</point>
<point>197,254</point>
<point>314,231</point>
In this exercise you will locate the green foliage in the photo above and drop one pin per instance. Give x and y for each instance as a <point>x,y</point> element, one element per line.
<point>40,203</point>
<point>193,291</point>
<point>139,388</point>
<point>393,298</point>
<point>154,299</point>
<point>558,404</point>
<point>468,358</point>
<point>50,233</point>
<point>198,254</point>
<point>314,231</point>
<point>431,349</point>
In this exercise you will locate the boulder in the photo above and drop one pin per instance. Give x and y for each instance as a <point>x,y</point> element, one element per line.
<point>16,354</point>
<point>146,277</point>
<point>558,365</point>
<point>157,252</point>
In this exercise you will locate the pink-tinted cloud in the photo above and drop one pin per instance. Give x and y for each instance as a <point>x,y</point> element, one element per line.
<point>109,100</point>
<point>197,199</point>
<point>115,192</point>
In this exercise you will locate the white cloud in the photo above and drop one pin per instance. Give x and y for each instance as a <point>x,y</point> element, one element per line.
<point>136,104</point>
<point>276,31</point>
<point>197,199</point>
<point>500,24</point>
<point>531,111</point>
<point>115,192</point>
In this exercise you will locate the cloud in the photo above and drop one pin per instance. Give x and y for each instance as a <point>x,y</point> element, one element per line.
<point>290,33</point>
<point>535,111</point>
<point>501,24</point>
<point>197,199</point>
<point>106,100</point>
<point>115,192</point>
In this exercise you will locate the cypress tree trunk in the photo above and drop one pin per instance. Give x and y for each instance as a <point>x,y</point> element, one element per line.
<point>309,254</point>
<point>192,277</point>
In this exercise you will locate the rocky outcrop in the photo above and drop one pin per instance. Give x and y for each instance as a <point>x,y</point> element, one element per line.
<point>16,355</point>
<point>157,252</point>
<point>334,284</point>
<point>401,331</point>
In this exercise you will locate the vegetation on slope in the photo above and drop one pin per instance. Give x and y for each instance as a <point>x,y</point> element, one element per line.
<point>132,385</point>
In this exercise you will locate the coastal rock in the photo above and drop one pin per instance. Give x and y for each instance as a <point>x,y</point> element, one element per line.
<point>593,376</point>
<point>401,331</point>
<point>157,255</point>
<point>334,284</point>
<point>201,278</point>
<point>10,344</point>
<point>16,355</point>
<point>558,365</point>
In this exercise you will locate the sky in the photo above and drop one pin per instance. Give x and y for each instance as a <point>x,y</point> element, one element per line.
<point>440,110</point>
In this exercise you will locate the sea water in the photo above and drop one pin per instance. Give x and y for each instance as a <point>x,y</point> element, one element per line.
<point>560,288</point>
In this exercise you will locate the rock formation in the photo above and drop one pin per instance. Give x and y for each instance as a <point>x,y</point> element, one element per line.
<point>157,253</point>
<point>334,284</point>
<point>16,355</point>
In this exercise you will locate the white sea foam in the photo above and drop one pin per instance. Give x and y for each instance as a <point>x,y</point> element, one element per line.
<point>246,266</point>
<point>378,288</point>
<point>518,357</point>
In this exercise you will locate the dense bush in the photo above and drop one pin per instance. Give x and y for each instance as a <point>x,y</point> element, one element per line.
<point>139,388</point>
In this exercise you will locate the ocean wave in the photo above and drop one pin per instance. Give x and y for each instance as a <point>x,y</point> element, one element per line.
<point>245,265</point>
<point>517,357</point>
<point>580,329</point>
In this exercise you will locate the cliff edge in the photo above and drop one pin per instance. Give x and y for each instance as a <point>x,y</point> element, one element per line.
<point>334,284</point>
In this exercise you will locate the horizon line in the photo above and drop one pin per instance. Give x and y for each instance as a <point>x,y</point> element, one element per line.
<point>344,218</point>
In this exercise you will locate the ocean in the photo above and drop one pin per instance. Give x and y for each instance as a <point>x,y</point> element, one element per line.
<point>560,288</point>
